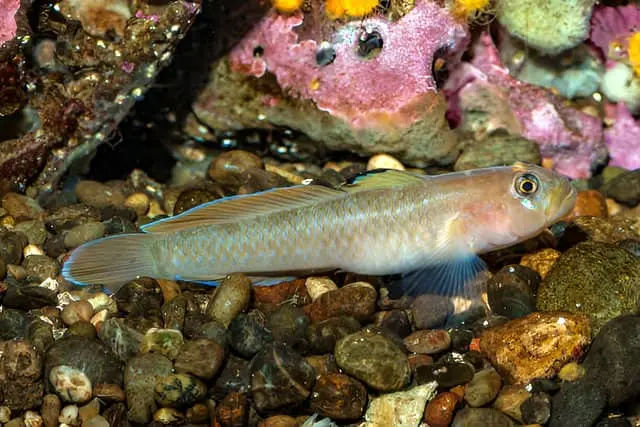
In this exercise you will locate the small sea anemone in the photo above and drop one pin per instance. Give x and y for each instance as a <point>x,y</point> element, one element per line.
<point>471,9</point>
<point>634,52</point>
<point>353,8</point>
<point>287,6</point>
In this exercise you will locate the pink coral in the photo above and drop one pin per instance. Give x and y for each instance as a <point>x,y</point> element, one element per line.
<point>623,139</point>
<point>392,90</point>
<point>613,24</point>
<point>570,137</point>
<point>8,26</point>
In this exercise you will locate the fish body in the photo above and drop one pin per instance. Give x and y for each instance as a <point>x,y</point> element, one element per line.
<point>387,222</point>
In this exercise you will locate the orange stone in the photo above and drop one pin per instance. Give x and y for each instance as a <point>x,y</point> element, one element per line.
<point>269,298</point>
<point>439,412</point>
<point>589,203</point>
<point>541,261</point>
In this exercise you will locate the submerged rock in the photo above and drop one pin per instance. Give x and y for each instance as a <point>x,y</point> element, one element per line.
<point>402,408</point>
<point>338,397</point>
<point>497,151</point>
<point>481,417</point>
<point>141,374</point>
<point>596,279</point>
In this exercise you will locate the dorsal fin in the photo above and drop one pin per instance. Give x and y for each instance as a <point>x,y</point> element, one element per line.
<point>380,178</point>
<point>238,208</point>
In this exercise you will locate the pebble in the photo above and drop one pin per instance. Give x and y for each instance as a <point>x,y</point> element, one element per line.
<point>28,297</point>
<point>536,409</point>
<point>280,377</point>
<point>401,409</point>
<point>34,230</point>
<point>373,359</point>
<point>13,324</point>
<point>229,167</point>
<point>89,410</point>
<point>536,346</point>
<point>460,339</point>
<point>11,246</point>
<point>510,400</point>
<point>624,188</point>
<point>323,364</point>
<point>83,233</point>
<point>338,397</point>
<point>572,371</point>
<point>99,195</point>
<point>123,340</point>
<point>279,421</point>
<point>541,261</point>
<point>395,323</point>
<point>588,203</point>
<point>41,267</point>
<point>5,414</point>
<point>428,341</point>
<point>179,390</point>
<point>483,388</point>
<point>198,413</point>
<point>497,151</point>
<point>51,407</point>
<point>384,161</point>
<point>232,411</point>
<point>270,298</point>
<point>109,392</point>
<point>32,250</point>
<point>481,417</point>
<point>317,286</point>
<point>22,207</point>
<point>578,403</point>
<point>511,291</point>
<point>32,419</point>
<point>234,377</point>
<point>168,416</point>
<point>170,289</point>
<point>324,335</point>
<point>97,421</point>
<point>247,336</point>
<point>605,230</point>
<point>596,279</point>
<point>139,202</point>
<point>82,329</point>
<point>430,310</point>
<point>288,324</point>
<point>141,374</point>
<point>76,311</point>
<point>139,297</point>
<point>71,384</point>
<point>192,197</point>
<point>230,299</point>
<point>68,415</point>
<point>449,371</point>
<point>356,300</point>
<point>439,411</point>
<point>167,342</point>
<point>201,357</point>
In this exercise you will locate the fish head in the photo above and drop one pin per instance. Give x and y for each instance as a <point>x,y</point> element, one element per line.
<point>537,198</point>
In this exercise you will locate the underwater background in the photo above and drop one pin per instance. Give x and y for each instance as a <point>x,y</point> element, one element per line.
<point>118,113</point>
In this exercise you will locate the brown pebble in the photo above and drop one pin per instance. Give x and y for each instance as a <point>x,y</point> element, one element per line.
<point>510,399</point>
<point>109,392</point>
<point>99,195</point>
<point>269,298</point>
<point>230,299</point>
<point>323,364</point>
<point>76,311</point>
<point>439,411</point>
<point>50,410</point>
<point>428,341</point>
<point>279,421</point>
<point>541,261</point>
<point>228,167</point>
<point>232,411</point>
<point>22,207</point>
<point>357,300</point>
<point>198,413</point>
<point>89,410</point>
<point>416,360</point>
<point>170,289</point>
<point>588,203</point>
<point>338,397</point>
<point>139,202</point>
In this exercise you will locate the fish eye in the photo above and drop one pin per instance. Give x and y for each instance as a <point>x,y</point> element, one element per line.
<point>527,185</point>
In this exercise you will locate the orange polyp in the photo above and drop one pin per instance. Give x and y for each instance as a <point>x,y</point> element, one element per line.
<point>335,8</point>
<point>287,6</point>
<point>354,8</point>
<point>634,52</point>
<point>468,8</point>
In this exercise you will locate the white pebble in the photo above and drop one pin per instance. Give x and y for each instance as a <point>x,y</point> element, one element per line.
<point>32,419</point>
<point>71,384</point>
<point>384,161</point>
<point>32,250</point>
<point>68,415</point>
<point>317,286</point>
<point>5,414</point>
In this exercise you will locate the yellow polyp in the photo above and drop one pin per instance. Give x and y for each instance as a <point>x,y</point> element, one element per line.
<point>335,9</point>
<point>315,84</point>
<point>468,9</point>
<point>359,8</point>
<point>287,6</point>
<point>634,52</point>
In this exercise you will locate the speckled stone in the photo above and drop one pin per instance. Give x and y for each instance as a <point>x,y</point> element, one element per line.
<point>201,357</point>
<point>140,378</point>
<point>402,408</point>
<point>596,279</point>
<point>536,346</point>
<point>483,388</point>
<point>179,390</point>
<point>373,359</point>
<point>428,341</point>
<point>338,397</point>
<point>357,300</point>
<point>324,335</point>
<point>497,151</point>
<point>588,203</point>
<point>541,261</point>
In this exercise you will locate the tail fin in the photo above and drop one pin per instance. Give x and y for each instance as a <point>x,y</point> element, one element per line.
<point>111,261</point>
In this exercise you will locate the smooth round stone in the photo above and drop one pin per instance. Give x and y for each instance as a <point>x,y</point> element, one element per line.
<point>395,322</point>
<point>338,397</point>
<point>247,336</point>
<point>168,416</point>
<point>191,198</point>
<point>510,399</point>
<point>28,297</point>
<point>123,340</point>
<point>449,371</point>
<point>21,207</point>
<point>428,341</point>
<point>179,390</point>
<point>201,357</point>
<point>356,300</point>
<point>624,188</point>
<point>511,291</point>
<point>34,230</point>
<point>51,406</point>
<point>481,417</point>
<point>11,246</point>
<point>572,371</point>
<point>71,384</point>
<point>289,324</point>
<point>83,233</point>
<point>77,311</point>
<point>373,359</point>
<point>483,388</point>
<point>384,161</point>
<point>141,296</point>
<point>431,310</point>
<point>141,374</point>
<point>280,377</point>
<point>167,342</point>
<point>536,409</point>
<point>230,299</point>
<point>41,267</point>
<point>324,335</point>
<point>214,331</point>
<point>174,312</point>
<point>439,411</point>
<point>497,151</point>
<point>99,195</point>
<point>228,167</point>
